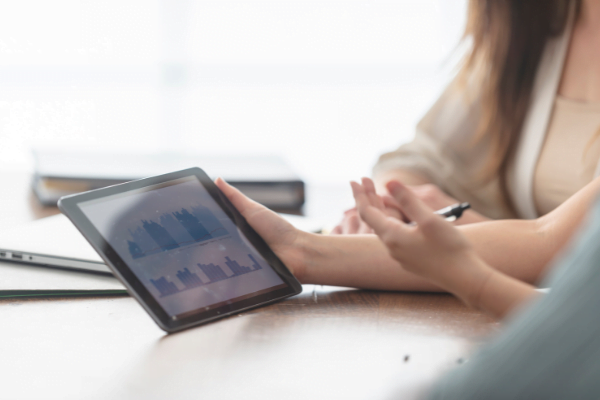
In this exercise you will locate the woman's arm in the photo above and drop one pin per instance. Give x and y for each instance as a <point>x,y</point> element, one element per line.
<point>435,250</point>
<point>523,248</point>
<point>517,248</point>
<point>354,260</point>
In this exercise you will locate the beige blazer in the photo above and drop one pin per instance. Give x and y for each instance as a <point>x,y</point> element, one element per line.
<point>441,152</point>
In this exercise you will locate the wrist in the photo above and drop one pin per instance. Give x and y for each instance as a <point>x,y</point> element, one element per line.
<point>316,254</point>
<point>299,256</point>
<point>467,277</point>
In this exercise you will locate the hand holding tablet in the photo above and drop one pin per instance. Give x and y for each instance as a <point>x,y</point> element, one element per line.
<point>181,248</point>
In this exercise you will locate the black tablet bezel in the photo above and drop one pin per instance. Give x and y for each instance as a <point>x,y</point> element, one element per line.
<point>69,205</point>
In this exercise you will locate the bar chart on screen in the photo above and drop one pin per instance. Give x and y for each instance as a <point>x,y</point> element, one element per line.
<point>212,272</point>
<point>182,246</point>
<point>173,230</point>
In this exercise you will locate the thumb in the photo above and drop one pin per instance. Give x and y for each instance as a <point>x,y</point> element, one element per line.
<point>410,205</point>
<point>244,205</point>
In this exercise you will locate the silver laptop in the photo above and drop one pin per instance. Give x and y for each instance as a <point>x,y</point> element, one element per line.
<point>52,241</point>
<point>55,242</point>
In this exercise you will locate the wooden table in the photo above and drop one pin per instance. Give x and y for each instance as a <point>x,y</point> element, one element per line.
<point>335,343</point>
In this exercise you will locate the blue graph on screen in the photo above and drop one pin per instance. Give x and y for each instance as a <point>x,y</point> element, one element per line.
<point>174,229</point>
<point>213,272</point>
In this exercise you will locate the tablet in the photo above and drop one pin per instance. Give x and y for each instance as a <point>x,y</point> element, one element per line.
<point>180,248</point>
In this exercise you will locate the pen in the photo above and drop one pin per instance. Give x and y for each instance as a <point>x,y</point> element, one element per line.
<point>451,213</point>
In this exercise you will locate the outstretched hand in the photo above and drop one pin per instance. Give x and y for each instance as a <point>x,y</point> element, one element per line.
<point>352,223</point>
<point>279,234</point>
<point>431,247</point>
<point>434,249</point>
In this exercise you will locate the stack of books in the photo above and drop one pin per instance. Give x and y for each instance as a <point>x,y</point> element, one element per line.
<point>268,180</point>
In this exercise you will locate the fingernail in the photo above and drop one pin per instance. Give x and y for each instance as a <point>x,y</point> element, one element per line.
<point>356,189</point>
<point>393,186</point>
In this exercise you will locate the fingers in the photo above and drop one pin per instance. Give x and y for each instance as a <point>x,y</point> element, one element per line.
<point>372,195</point>
<point>376,220</point>
<point>364,228</point>
<point>389,201</point>
<point>367,196</point>
<point>371,215</point>
<point>411,206</point>
<point>244,205</point>
<point>362,201</point>
<point>350,224</point>
<point>350,211</point>
<point>393,208</point>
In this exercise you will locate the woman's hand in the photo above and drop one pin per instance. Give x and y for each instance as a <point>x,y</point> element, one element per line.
<point>352,223</point>
<point>280,235</point>
<point>428,248</point>
<point>431,247</point>
<point>430,194</point>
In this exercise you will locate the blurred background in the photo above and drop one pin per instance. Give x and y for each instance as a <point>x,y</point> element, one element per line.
<point>328,84</point>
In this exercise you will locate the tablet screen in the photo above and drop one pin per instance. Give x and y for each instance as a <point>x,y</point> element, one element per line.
<point>182,246</point>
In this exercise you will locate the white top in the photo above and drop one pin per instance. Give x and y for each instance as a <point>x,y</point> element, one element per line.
<point>570,153</point>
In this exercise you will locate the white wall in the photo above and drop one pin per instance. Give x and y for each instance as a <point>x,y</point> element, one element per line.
<point>328,84</point>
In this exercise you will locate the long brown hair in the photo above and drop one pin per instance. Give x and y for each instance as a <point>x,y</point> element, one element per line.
<point>508,38</point>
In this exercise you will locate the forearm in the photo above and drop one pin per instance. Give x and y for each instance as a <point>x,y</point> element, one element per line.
<point>503,294</point>
<point>485,288</point>
<point>363,261</point>
<point>517,248</point>
<point>355,261</point>
<point>524,248</point>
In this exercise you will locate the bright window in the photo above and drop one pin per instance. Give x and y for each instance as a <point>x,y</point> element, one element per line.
<point>327,84</point>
